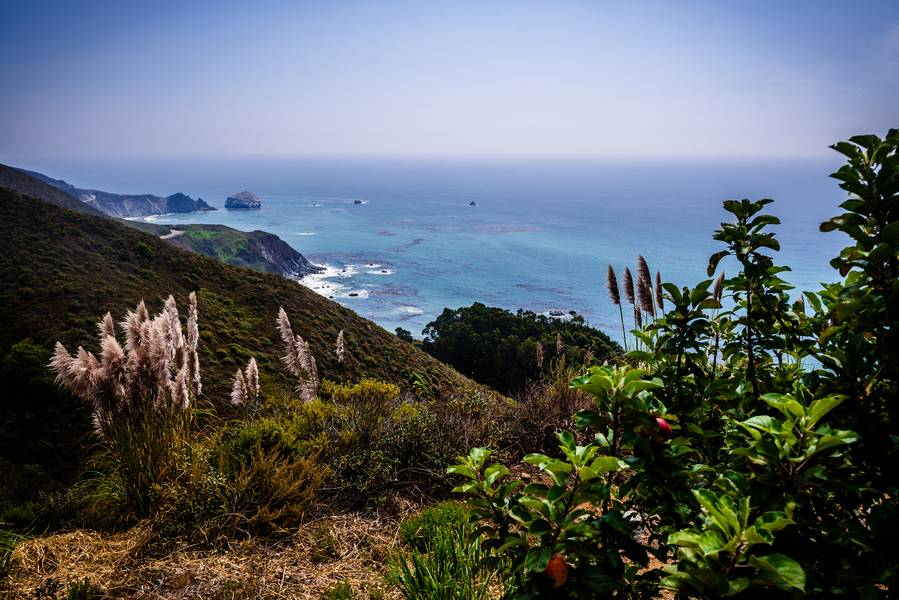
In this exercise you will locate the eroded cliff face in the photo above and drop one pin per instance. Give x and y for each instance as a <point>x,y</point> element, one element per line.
<point>280,255</point>
<point>258,250</point>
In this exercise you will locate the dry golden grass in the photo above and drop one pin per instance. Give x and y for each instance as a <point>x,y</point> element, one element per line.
<point>117,564</point>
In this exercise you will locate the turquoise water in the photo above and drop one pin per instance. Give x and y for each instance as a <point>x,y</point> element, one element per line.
<point>539,236</point>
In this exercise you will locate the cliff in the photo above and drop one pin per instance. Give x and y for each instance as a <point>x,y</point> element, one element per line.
<point>258,250</point>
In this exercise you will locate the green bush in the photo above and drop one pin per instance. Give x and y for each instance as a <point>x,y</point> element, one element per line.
<point>419,529</point>
<point>749,437</point>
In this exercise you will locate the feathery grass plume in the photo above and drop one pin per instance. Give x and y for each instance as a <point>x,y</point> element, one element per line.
<point>181,389</point>
<point>628,285</point>
<point>298,359</point>
<point>126,382</point>
<point>339,349</point>
<point>559,344</point>
<point>615,297</point>
<point>660,296</point>
<point>638,317</point>
<point>644,287</point>
<point>291,359</point>
<point>539,355</point>
<point>132,326</point>
<point>193,339</point>
<point>718,287</point>
<point>106,327</point>
<point>239,390</point>
<point>612,286</point>
<point>252,379</point>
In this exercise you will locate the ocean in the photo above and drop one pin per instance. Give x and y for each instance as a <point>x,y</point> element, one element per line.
<point>401,239</point>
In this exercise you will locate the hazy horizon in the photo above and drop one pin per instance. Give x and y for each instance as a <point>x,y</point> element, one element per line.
<point>569,80</point>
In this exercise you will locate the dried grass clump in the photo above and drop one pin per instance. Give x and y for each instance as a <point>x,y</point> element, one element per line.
<point>119,565</point>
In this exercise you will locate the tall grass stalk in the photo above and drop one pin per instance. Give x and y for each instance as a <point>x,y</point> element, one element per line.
<point>450,568</point>
<point>615,297</point>
<point>8,543</point>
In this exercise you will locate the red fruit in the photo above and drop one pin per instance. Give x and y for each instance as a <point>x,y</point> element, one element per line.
<point>665,430</point>
<point>557,570</point>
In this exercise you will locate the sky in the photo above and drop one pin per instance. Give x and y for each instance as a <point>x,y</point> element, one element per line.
<point>570,79</point>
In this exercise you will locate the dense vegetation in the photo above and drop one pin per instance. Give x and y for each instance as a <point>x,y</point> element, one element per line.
<point>744,446</point>
<point>507,350</point>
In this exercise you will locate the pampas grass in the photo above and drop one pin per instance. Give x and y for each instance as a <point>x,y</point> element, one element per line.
<point>298,359</point>
<point>615,297</point>
<point>239,389</point>
<point>252,379</point>
<point>644,287</point>
<point>628,285</point>
<point>539,356</point>
<point>141,394</point>
<point>245,387</point>
<point>339,347</point>
<point>660,296</point>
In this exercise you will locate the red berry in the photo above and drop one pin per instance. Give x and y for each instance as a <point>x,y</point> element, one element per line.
<point>664,428</point>
<point>557,570</point>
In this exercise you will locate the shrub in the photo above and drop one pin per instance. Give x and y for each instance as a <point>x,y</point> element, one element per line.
<point>273,492</point>
<point>419,529</point>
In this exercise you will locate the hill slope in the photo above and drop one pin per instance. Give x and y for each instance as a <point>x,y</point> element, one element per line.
<point>23,183</point>
<point>60,271</point>
<point>126,205</point>
<point>258,250</point>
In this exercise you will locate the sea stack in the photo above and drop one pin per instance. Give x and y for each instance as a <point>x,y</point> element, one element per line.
<point>243,200</point>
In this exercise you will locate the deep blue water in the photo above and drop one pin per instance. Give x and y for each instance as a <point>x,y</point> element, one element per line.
<point>539,237</point>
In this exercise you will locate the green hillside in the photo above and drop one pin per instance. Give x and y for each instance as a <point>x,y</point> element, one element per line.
<point>62,270</point>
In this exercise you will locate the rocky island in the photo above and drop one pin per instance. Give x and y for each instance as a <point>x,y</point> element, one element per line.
<point>243,200</point>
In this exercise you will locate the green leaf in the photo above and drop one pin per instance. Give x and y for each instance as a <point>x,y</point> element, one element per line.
<point>821,407</point>
<point>714,260</point>
<point>891,233</point>
<point>711,543</point>
<point>686,538</point>
<point>779,570</point>
<point>537,558</point>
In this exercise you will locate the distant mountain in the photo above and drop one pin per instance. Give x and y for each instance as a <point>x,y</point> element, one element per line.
<point>19,180</point>
<point>258,250</point>
<point>126,205</point>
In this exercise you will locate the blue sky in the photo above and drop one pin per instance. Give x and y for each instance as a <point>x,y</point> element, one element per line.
<point>100,79</point>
